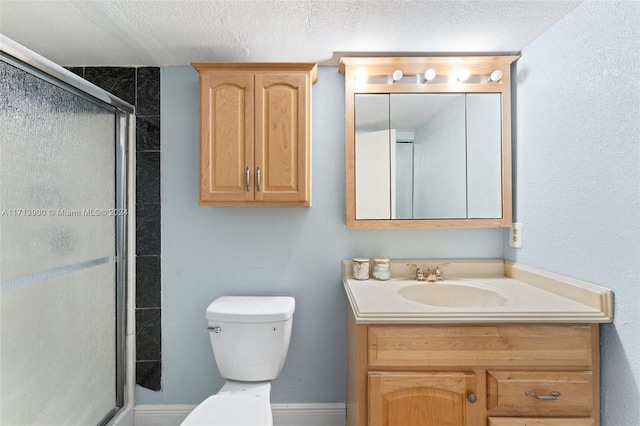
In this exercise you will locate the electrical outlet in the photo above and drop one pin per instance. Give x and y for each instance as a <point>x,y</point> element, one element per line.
<point>515,235</point>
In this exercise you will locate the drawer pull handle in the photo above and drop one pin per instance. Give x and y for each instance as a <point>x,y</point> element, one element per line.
<point>247,178</point>
<point>472,397</point>
<point>554,395</point>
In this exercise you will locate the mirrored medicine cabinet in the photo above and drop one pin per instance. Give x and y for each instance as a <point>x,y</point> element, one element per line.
<point>428,141</point>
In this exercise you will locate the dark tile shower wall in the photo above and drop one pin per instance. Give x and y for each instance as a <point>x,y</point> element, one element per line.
<point>141,87</point>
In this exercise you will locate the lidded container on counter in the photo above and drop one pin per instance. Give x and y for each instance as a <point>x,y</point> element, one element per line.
<point>381,269</point>
<point>360,268</point>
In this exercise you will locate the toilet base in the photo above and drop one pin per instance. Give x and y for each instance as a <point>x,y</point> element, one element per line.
<point>236,404</point>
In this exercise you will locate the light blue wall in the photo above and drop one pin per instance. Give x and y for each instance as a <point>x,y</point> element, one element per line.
<point>208,252</point>
<point>577,179</point>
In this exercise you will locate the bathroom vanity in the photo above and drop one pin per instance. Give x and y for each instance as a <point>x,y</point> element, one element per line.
<point>522,349</point>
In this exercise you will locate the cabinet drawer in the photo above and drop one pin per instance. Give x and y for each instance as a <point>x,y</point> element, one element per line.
<point>521,421</point>
<point>570,346</point>
<point>559,393</point>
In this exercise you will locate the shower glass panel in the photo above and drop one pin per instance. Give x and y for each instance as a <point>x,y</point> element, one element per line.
<point>62,259</point>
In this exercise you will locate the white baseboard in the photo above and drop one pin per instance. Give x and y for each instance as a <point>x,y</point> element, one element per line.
<point>309,414</point>
<point>283,414</point>
<point>160,415</point>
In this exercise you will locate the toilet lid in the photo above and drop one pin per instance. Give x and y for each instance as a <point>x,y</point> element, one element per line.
<point>230,410</point>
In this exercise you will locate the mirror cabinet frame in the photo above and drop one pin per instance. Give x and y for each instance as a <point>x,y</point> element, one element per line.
<point>480,67</point>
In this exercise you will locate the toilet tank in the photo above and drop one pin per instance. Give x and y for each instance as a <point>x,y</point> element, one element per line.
<point>250,335</point>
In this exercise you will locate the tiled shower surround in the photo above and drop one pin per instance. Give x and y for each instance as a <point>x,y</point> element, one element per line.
<point>141,87</point>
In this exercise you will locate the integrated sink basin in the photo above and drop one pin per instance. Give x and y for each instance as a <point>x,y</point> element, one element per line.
<point>452,295</point>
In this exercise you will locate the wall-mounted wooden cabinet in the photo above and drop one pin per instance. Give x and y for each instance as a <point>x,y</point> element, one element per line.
<point>255,133</point>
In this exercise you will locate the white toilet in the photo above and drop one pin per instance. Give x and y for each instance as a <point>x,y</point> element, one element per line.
<point>250,339</point>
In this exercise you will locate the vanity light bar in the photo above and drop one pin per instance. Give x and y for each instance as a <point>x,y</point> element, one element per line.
<point>459,75</point>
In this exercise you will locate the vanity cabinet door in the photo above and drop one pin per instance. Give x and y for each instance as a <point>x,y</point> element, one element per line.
<point>421,398</point>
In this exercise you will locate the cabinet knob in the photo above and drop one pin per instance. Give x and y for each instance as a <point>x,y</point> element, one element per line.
<point>472,397</point>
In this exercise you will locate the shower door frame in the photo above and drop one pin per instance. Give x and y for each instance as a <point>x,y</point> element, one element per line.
<point>20,57</point>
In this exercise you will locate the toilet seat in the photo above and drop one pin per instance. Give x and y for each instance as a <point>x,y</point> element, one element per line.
<point>231,410</point>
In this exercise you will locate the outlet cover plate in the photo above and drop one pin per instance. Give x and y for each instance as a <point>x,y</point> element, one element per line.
<point>515,235</point>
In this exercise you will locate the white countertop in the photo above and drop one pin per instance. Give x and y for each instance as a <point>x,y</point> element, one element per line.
<point>531,295</point>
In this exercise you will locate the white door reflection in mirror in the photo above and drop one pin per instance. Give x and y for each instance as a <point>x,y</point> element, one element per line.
<point>372,157</point>
<point>373,172</point>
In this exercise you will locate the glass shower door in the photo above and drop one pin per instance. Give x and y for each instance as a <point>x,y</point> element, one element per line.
<point>62,252</point>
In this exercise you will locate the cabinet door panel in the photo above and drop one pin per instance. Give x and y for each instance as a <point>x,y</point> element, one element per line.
<point>226,148</point>
<point>418,399</point>
<point>282,150</point>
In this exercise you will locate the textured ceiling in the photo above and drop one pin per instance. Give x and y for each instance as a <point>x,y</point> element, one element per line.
<point>176,32</point>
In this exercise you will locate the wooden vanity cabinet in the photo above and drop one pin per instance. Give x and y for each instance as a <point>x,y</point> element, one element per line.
<point>255,141</point>
<point>472,375</point>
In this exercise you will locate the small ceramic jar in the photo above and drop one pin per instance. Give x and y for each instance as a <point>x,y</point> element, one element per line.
<point>360,269</point>
<point>381,269</point>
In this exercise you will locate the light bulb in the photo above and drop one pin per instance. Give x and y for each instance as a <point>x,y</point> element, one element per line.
<point>495,76</point>
<point>429,74</point>
<point>463,75</point>
<point>397,75</point>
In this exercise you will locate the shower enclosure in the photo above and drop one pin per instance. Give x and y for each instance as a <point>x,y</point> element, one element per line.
<point>63,245</point>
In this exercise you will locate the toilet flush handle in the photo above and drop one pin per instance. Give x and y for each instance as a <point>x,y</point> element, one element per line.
<point>216,329</point>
